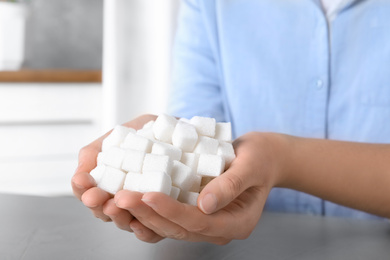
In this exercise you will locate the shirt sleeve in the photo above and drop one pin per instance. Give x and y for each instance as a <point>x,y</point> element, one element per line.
<point>195,88</point>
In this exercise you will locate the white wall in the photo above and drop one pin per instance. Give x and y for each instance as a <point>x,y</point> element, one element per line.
<point>43,126</point>
<point>136,64</point>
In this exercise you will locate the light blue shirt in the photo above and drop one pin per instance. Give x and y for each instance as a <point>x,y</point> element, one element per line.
<point>268,65</point>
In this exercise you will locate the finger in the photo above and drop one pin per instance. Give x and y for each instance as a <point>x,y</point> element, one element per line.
<point>94,199</point>
<point>241,175</point>
<point>225,188</point>
<point>82,180</point>
<point>120,217</point>
<point>230,223</point>
<point>143,233</point>
<point>158,224</point>
<point>132,202</point>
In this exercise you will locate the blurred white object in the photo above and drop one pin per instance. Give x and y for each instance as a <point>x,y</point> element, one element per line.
<point>42,128</point>
<point>12,33</point>
<point>136,57</point>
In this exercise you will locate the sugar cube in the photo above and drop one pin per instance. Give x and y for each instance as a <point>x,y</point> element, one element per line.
<point>184,136</point>
<point>116,137</point>
<point>223,132</point>
<point>156,162</point>
<point>156,182</point>
<point>227,152</point>
<point>113,157</point>
<point>133,181</point>
<point>163,128</point>
<point>147,133</point>
<point>175,191</point>
<point>112,180</point>
<point>196,180</point>
<point>99,158</point>
<point>148,125</point>
<point>191,160</point>
<point>182,176</point>
<point>137,142</point>
<point>204,125</point>
<point>210,165</point>
<point>206,145</point>
<point>97,172</point>
<point>133,161</point>
<point>173,152</point>
<point>188,197</point>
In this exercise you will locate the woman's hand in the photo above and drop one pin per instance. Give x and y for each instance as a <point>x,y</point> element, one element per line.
<point>84,187</point>
<point>229,207</point>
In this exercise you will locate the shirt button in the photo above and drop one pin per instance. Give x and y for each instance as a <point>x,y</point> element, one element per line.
<point>320,84</point>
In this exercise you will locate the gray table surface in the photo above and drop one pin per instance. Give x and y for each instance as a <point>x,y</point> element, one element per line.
<point>62,228</point>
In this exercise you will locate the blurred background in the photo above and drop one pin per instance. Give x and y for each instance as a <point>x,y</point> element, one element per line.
<point>70,71</point>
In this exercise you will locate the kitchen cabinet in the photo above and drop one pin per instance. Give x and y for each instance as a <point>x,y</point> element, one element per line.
<point>45,118</point>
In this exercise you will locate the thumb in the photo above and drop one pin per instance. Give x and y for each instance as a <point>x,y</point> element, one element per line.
<point>224,189</point>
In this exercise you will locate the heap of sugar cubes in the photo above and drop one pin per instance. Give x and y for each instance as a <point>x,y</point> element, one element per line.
<point>176,157</point>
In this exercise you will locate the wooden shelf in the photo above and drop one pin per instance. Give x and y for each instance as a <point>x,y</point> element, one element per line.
<point>60,76</point>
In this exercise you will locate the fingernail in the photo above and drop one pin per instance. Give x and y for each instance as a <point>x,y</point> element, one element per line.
<point>79,186</point>
<point>149,203</point>
<point>117,198</point>
<point>209,203</point>
<point>92,179</point>
<point>137,231</point>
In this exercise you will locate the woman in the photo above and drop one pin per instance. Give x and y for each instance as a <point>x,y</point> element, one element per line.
<point>292,78</point>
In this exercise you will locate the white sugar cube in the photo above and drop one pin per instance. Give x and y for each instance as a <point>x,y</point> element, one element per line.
<point>188,197</point>
<point>133,161</point>
<point>147,131</point>
<point>112,180</point>
<point>116,137</point>
<point>99,158</point>
<point>227,152</point>
<point>113,157</point>
<point>196,180</point>
<point>98,172</point>
<point>133,181</point>
<point>137,142</point>
<point>206,145</point>
<point>148,125</point>
<point>175,191</point>
<point>173,152</point>
<point>156,182</point>
<point>163,128</point>
<point>223,132</point>
<point>191,160</point>
<point>184,136</point>
<point>204,125</point>
<point>156,162</point>
<point>210,165</point>
<point>182,176</point>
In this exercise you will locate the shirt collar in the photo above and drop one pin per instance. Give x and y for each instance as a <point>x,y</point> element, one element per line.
<point>336,7</point>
